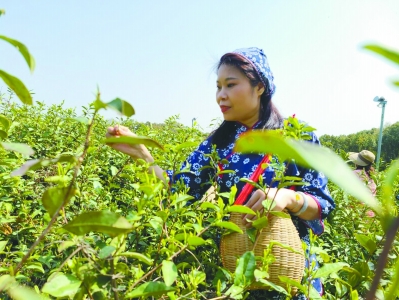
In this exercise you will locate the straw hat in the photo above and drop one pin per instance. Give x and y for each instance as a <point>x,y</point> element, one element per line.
<point>364,158</point>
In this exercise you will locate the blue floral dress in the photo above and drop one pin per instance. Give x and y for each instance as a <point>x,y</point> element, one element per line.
<point>243,166</point>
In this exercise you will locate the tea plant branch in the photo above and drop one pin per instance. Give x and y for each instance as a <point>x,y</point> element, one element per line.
<point>56,213</point>
<point>219,298</point>
<point>382,261</point>
<point>171,258</point>
<point>69,257</point>
<point>114,288</point>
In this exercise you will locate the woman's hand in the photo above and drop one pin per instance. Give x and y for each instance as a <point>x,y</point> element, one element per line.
<point>135,151</point>
<point>282,199</point>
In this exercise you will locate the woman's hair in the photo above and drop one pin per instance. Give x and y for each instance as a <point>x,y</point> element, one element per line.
<point>269,116</point>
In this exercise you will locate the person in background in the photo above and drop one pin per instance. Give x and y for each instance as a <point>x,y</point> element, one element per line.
<point>364,167</point>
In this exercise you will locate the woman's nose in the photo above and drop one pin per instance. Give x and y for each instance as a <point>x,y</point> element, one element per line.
<point>221,95</point>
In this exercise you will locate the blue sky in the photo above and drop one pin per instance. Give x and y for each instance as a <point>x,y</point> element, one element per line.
<point>160,55</point>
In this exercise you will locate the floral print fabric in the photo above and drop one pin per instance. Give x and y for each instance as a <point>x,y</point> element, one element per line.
<point>243,165</point>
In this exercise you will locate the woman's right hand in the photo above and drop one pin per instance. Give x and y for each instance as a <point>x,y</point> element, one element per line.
<point>135,151</point>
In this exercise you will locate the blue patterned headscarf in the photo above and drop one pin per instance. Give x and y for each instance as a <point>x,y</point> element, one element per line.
<point>259,61</point>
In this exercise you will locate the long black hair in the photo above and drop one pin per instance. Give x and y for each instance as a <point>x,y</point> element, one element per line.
<point>269,116</point>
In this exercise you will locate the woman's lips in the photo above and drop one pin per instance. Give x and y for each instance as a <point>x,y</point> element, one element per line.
<point>224,108</point>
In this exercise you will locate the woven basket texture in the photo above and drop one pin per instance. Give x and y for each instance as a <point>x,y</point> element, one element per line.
<point>282,230</point>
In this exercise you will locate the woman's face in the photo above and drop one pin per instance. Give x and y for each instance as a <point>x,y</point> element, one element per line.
<point>238,100</point>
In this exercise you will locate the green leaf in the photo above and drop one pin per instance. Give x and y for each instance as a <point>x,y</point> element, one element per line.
<point>354,295</point>
<point>65,245</point>
<point>169,272</point>
<point>3,134</point>
<point>53,198</point>
<point>3,245</point>
<point>244,274</point>
<point>148,289</point>
<point>100,221</point>
<point>366,242</point>
<point>35,164</point>
<point>260,223</point>
<point>388,54</point>
<point>133,140</point>
<point>18,147</point>
<point>280,214</point>
<point>6,281</point>
<point>19,292</point>
<point>308,155</point>
<point>396,82</point>
<point>241,209</point>
<point>206,205</point>
<point>274,286</point>
<point>327,269</point>
<point>138,256</point>
<point>61,285</point>
<point>6,123</point>
<point>17,86</point>
<point>195,241</point>
<point>35,266</point>
<point>293,283</point>
<point>186,145</point>
<point>106,251</point>
<point>121,106</point>
<point>23,50</point>
<point>229,225</point>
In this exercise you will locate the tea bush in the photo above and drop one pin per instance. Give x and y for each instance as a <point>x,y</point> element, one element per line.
<point>162,248</point>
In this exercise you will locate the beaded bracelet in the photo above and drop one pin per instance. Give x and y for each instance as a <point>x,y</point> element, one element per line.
<point>304,206</point>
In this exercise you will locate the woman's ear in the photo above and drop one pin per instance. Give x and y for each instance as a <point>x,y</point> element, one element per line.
<point>260,89</point>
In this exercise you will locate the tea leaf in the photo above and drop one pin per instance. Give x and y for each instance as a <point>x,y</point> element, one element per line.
<point>122,106</point>
<point>244,274</point>
<point>19,292</point>
<point>388,54</point>
<point>138,256</point>
<point>241,209</point>
<point>106,251</point>
<point>229,225</point>
<point>23,50</point>
<point>260,223</point>
<point>3,134</point>
<point>327,269</point>
<point>17,86</point>
<point>5,122</point>
<point>195,241</point>
<point>61,285</point>
<point>148,289</point>
<point>100,221</point>
<point>169,272</point>
<point>366,242</point>
<point>53,198</point>
<point>18,147</point>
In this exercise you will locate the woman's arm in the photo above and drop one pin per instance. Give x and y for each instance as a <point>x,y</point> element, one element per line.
<point>285,199</point>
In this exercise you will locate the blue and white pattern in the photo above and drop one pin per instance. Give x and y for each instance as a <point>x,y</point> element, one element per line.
<point>243,165</point>
<point>259,60</point>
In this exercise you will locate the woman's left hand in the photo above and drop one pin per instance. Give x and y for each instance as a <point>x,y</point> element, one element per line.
<point>281,198</point>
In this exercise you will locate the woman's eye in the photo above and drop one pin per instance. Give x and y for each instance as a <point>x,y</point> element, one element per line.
<point>231,85</point>
<point>218,87</point>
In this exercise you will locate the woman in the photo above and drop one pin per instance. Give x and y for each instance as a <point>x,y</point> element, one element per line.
<point>244,94</point>
<point>364,167</point>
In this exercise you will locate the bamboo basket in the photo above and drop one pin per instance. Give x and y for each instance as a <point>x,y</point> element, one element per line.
<point>282,230</point>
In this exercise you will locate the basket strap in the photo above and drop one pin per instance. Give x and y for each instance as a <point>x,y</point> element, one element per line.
<point>247,189</point>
